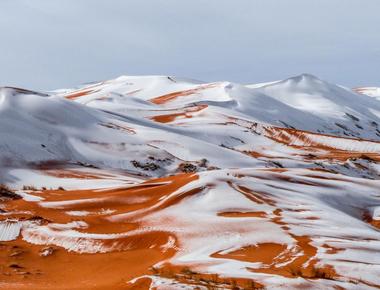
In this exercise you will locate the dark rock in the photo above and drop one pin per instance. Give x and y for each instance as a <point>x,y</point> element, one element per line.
<point>7,194</point>
<point>187,167</point>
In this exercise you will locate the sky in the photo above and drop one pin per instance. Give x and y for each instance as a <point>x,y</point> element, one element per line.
<point>50,44</point>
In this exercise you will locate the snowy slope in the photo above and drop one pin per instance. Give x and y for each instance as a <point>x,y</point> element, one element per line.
<point>303,102</point>
<point>151,125</point>
<point>342,111</point>
<point>39,128</point>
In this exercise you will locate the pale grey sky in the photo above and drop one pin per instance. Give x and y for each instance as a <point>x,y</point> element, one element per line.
<point>47,44</point>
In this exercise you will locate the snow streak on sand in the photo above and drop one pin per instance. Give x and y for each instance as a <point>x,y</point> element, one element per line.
<point>164,183</point>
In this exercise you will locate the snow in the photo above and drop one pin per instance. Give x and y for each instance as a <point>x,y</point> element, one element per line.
<point>29,197</point>
<point>370,91</point>
<point>375,213</point>
<point>78,212</point>
<point>9,230</point>
<point>27,176</point>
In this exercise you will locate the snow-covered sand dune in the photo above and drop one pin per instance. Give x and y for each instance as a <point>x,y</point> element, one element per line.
<point>167,182</point>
